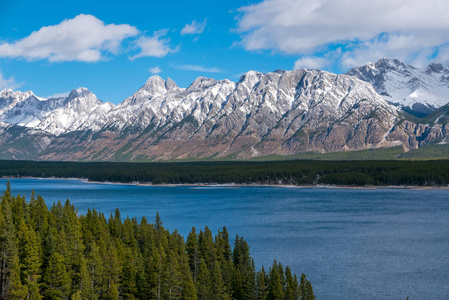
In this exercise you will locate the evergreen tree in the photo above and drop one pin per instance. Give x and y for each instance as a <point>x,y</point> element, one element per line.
<point>56,281</point>
<point>16,290</point>
<point>218,285</point>
<point>261,284</point>
<point>113,292</point>
<point>290,285</point>
<point>203,283</point>
<point>188,286</point>
<point>76,296</point>
<point>244,265</point>
<point>306,289</point>
<point>128,276</point>
<point>275,287</point>
<point>85,285</point>
<point>29,254</point>
<point>192,251</point>
<point>8,247</point>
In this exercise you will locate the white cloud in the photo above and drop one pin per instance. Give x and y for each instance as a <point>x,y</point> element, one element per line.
<point>443,55</point>
<point>194,27</point>
<point>310,63</point>
<point>155,70</point>
<point>8,83</point>
<point>198,68</point>
<point>59,95</point>
<point>399,28</point>
<point>83,38</point>
<point>154,46</point>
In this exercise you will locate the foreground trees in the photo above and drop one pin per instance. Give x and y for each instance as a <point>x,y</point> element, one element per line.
<point>57,254</point>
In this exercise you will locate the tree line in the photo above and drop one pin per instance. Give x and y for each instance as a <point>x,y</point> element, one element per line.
<point>295,172</point>
<point>58,254</point>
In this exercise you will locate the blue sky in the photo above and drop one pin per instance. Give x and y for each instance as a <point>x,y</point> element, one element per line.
<point>112,47</point>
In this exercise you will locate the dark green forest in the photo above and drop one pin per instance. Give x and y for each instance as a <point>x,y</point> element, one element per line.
<point>295,172</point>
<point>57,254</point>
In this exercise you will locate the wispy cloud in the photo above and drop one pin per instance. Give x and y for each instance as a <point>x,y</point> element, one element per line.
<point>155,46</point>
<point>198,68</point>
<point>194,27</point>
<point>59,95</point>
<point>401,28</point>
<point>311,63</point>
<point>83,38</point>
<point>8,83</point>
<point>155,70</point>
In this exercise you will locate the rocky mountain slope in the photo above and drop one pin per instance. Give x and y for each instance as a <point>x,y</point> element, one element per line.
<point>283,112</point>
<point>419,91</point>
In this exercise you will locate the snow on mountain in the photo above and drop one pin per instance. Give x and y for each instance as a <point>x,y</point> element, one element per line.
<point>79,110</point>
<point>281,112</point>
<point>159,102</point>
<point>417,89</point>
<point>10,98</point>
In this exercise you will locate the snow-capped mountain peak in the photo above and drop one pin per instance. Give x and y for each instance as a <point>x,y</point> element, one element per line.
<point>80,92</point>
<point>58,115</point>
<point>17,96</point>
<point>418,90</point>
<point>154,86</point>
<point>9,99</point>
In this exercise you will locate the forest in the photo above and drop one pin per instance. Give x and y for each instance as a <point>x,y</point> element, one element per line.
<point>58,254</point>
<point>293,172</point>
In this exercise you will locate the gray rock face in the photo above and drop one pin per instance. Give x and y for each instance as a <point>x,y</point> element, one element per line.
<point>283,112</point>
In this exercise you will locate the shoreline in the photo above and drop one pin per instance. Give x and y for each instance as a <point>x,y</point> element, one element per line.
<point>235,185</point>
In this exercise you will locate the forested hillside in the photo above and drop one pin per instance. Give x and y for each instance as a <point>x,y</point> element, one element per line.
<point>294,172</point>
<point>57,254</point>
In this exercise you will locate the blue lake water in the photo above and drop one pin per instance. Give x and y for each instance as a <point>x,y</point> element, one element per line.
<point>351,243</point>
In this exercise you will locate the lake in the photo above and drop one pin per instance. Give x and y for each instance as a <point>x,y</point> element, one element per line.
<point>351,243</point>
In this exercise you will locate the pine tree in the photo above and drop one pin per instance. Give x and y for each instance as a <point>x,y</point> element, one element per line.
<point>113,292</point>
<point>306,289</point>
<point>290,285</point>
<point>206,247</point>
<point>76,296</point>
<point>16,289</point>
<point>203,283</point>
<point>38,214</point>
<point>30,256</point>
<point>94,266</point>
<point>275,287</point>
<point>192,251</point>
<point>261,284</point>
<point>173,286</point>
<point>8,245</point>
<point>188,286</point>
<point>244,265</point>
<point>56,281</point>
<point>218,285</point>
<point>128,276</point>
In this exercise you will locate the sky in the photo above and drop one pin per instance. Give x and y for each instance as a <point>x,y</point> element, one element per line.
<point>112,47</point>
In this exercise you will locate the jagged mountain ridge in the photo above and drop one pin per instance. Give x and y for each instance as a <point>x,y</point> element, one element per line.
<point>57,115</point>
<point>283,112</point>
<point>417,90</point>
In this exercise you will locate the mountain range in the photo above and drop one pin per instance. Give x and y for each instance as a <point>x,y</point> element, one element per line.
<point>378,105</point>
